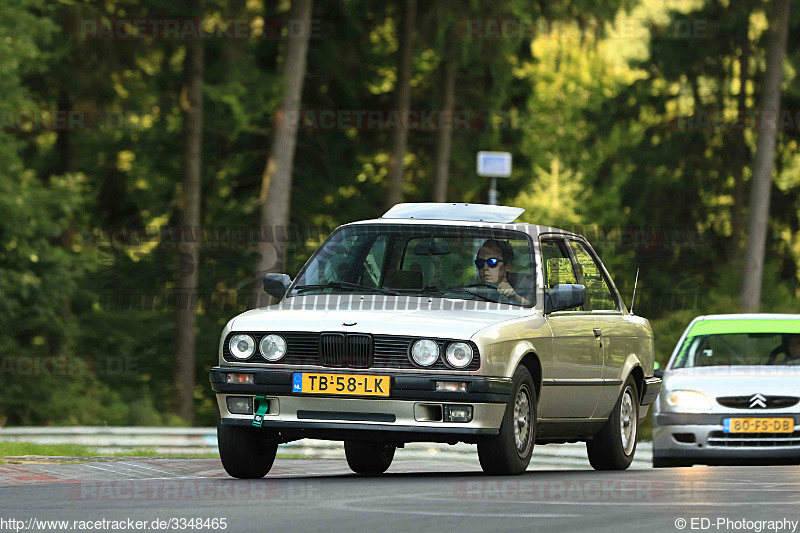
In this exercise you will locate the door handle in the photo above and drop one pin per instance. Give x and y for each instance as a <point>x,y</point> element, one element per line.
<point>598,332</point>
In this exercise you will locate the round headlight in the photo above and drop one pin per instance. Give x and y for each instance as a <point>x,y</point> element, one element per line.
<point>459,354</point>
<point>242,346</point>
<point>425,352</point>
<point>273,347</point>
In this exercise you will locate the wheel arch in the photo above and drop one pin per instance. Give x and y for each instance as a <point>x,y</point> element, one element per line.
<point>531,361</point>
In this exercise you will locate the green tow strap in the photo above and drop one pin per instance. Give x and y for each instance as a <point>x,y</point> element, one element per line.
<point>262,408</point>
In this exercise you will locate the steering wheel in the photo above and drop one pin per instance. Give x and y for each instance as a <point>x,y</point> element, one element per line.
<point>483,284</point>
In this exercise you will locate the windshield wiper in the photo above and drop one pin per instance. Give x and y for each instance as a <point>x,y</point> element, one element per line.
<point>438,288</point>
<point>346,285</point>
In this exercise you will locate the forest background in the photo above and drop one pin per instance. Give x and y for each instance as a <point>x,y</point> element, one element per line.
<point>654,127</point>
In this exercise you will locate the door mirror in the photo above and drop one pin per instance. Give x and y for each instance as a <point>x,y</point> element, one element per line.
<point>564,296</point>
<point>276,285</point>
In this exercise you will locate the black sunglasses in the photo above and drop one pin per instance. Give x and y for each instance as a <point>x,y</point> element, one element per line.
<point>492,262</point>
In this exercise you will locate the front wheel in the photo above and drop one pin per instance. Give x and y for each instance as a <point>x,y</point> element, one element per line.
<point>368,458</point>
<point>614,446</point>
<point>509,452</point>
<point>245,451</point>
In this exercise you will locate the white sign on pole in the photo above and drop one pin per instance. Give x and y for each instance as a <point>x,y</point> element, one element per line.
<point>494,164</point>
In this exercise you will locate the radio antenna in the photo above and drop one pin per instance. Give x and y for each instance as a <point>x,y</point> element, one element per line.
<point>633,300</point>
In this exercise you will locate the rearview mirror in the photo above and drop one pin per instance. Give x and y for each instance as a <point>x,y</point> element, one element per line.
<point>432,248</point>
<point>564,296</point>
<point>276,285</point>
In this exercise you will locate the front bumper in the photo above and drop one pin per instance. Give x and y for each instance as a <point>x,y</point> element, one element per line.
<point>650,390</point>
<point>701,438</point>
<point>405,412</point>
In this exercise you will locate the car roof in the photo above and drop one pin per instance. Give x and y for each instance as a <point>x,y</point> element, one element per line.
<point>450,214</point>
<point>750,316</point>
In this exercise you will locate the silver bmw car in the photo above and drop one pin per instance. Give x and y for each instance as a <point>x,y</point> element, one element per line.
<point>444,323</point>
<point>731,393</point>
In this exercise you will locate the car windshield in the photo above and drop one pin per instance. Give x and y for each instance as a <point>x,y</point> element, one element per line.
<point>486,264</point>
<point>739,349</point>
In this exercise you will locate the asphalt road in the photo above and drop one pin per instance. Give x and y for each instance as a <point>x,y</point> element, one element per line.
<point>415,495</point>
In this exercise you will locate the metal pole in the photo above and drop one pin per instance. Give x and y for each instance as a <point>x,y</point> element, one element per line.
<point>493,192</point>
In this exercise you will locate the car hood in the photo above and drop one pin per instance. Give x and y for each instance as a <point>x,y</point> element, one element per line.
<point>736,380</point>
<point>424,317</point>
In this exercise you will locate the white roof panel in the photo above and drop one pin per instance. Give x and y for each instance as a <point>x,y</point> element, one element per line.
<point>444,211</point>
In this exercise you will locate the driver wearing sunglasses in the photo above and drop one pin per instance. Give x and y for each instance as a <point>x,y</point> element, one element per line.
<point>493,262</point>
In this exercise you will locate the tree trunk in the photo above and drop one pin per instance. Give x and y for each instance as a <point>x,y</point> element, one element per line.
<point>276,186</point>
<point>737,216</point>
<point>764,161</point>
<point>191,163</point>
<point>445,141</point>
<point>402,92</point>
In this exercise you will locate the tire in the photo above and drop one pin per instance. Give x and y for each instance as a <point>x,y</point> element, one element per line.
<point>609,450</point>
<point>669,462</point>
<point>502,454</point>
<point>368,458</point>
<point>243,451</point>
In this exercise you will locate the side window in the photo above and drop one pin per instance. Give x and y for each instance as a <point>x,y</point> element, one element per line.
<point>557,264</point>
<point>598,294</point>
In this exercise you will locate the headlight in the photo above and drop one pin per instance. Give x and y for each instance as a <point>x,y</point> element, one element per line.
<point>242,346</point>
<point>458,354</point>
<point>273,347</point>
<point>688,400</point>
<point>425,352</point>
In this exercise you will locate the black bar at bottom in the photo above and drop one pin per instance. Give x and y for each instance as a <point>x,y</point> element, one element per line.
<point>340,415</point>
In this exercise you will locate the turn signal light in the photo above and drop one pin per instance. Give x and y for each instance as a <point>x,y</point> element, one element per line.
<point>239,378</point>
<point>451,386</point>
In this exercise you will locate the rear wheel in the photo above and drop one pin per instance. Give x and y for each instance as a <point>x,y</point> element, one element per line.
<point>614,446</point>
<point>245,451</point>
<point>509,452</point>
<point>368,458</point>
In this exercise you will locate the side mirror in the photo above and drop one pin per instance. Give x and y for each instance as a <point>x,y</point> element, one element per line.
<point>659,373</point>
<point>563,296</point>
<point>276,285</point>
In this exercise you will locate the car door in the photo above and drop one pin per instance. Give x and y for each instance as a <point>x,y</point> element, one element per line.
<point>573,375</point>
<point>619,336</point>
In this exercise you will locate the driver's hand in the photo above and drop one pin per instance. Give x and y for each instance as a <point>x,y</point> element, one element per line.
<point>508,291</point>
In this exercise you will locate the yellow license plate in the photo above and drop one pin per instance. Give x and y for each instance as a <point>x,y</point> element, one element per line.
<point>758,425</point>
<point>345,384</point>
